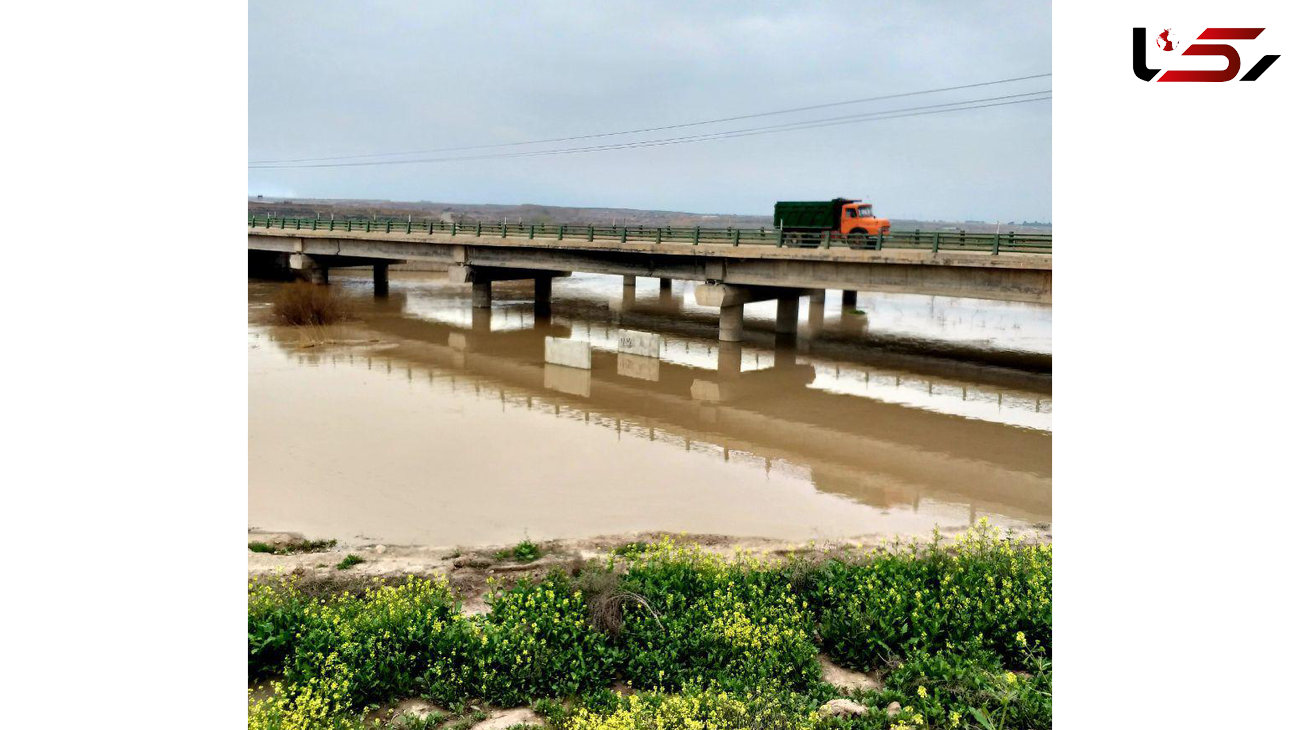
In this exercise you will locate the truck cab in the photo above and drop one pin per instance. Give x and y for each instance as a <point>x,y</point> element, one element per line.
<point>857,219</point>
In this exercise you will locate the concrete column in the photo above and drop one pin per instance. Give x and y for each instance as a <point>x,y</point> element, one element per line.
<point>318,274</point>
<point>665,285</point>
<point>784,355</point>
<point>629,283</point>
<point>787,315</point>
<point>816,310</point>
<point>482,294</point>
<point>480,320</point>
<point>731,322</point>
<point>729,359</point>
<point>381,280</point>
<point>542,295</point>
<point>849,299</point>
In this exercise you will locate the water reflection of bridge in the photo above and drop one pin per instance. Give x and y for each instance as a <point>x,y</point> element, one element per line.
<point>876,452</point>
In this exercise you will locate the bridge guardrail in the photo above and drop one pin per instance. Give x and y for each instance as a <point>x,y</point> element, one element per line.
<point>934,241</point>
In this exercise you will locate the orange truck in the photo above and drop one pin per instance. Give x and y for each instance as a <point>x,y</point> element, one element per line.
<point>802,223</point>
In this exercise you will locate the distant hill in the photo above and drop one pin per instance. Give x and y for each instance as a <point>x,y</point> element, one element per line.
<point>528,213</point>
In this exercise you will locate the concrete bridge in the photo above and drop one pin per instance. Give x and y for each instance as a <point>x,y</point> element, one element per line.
<point>735,269</point>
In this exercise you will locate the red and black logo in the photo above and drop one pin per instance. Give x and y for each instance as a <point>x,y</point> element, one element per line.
<point>1166,42</point>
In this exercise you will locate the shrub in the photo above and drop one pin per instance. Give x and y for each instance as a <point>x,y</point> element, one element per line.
<point>275,613</point>
<point>962,632</point>
<point>537,643</point>
<point>709,620</point>
<point>973,688</point>
<point>524,552</point>
<point>302,304</point>
<point>350,560</point>
<point>987,591</point>
<point>697,709</point>
<point>393,641</point>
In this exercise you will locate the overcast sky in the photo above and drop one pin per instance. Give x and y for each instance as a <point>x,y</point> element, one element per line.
<point>341,78</point>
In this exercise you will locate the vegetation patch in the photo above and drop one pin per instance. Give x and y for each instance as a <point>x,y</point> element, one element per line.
<point>350,560</point>
<point>525,552</point>
<point>304,304</point>
<point>960,633</point>
<point>297,546</point>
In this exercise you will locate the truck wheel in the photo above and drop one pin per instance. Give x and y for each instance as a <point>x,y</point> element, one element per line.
<point>858,238</point>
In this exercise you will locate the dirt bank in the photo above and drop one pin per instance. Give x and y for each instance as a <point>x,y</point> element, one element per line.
<point>469,569</point>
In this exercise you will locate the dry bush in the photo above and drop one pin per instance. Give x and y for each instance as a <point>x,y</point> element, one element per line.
<point>606,598</point>
<point>305,304</point>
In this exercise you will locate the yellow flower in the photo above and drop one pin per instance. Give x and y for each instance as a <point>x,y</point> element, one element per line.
<point>1010,677</point>
<point>920,691</point>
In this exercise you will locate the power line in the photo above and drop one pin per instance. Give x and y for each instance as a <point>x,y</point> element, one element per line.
<point>1041,95</point>
<point>655,129</point>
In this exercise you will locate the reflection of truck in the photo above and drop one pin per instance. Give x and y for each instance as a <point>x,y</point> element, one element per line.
<point>804,223</point>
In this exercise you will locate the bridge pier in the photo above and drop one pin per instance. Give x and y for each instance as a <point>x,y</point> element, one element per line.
<point>731,322</point>
<point>816,310</point>
<point>666,285</point>
<point>729,359</point>
<point>481,278</point>
<point>849,299</point>
<point>381,280</point>
<point>731,299</point>
<point>309,267</point>
<point>542,296</point>
<point>787,315</point>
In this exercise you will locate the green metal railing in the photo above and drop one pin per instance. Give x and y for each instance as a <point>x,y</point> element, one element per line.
<point>934,241</point>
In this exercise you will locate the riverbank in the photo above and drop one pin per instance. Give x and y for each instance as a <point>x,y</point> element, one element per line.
<point>628,633</point>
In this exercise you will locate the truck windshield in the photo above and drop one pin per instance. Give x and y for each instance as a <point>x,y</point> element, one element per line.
<point>865,211</point>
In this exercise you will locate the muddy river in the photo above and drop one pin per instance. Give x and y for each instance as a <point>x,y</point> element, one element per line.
<point>422,421</point>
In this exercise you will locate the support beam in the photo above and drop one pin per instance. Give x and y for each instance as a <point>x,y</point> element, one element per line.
<point>309,267</point>
<point>381,280</point>
<point>665,285</point>
<point>482,295</point>
<point>787,315</point>
<point>849,299</point>
<point>467,273</point>
<point>731,322</point>
<point>723,295</point>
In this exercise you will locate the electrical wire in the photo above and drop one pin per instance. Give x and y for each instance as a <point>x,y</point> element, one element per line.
<point>1005,100</point>
<point>655,129</point>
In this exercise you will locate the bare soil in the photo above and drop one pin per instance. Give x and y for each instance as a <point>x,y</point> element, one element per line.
<point>468,569</point>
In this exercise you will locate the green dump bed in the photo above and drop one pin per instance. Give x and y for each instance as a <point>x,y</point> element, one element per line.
<point>817,214</point>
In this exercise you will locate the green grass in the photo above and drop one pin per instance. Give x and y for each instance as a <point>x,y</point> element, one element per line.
<point>524,552</point>
<point>300,546</point>
<point>629,549</point>
<point>961,634</point>
<point>350,560</point>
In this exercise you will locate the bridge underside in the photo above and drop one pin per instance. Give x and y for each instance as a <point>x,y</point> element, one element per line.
<point>736,275</point>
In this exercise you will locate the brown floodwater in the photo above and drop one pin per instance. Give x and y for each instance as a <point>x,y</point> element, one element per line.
<point>422,421</point>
